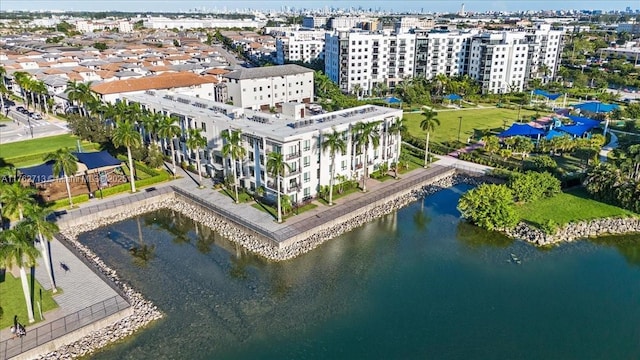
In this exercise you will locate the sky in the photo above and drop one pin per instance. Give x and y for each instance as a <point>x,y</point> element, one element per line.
<point>396,5</point>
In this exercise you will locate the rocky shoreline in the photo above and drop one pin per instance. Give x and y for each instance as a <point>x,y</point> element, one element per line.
<point>145,312</point>
<point>575,231</point>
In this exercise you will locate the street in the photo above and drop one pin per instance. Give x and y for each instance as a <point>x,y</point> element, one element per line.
<point>23,128</point>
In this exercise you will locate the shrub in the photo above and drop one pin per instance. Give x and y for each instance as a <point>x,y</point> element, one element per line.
<point>550,227</point>
<point>533,185</point>
<point>65,202</point>
<point>489,206</point>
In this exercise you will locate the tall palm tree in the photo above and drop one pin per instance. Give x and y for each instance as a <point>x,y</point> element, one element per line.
<point>15,198</point>
<point>65,163</point>
<point>45,230</point>
<point>22,79</point>
<point>197,141</point>
<point>17,249</point>
<point>276,166</point>
<point>3,87</point>
<point>397,128</point>
<point>38,87</point>
<point>334,142</point>
<point>126,135</point>
<point>168,129</point>
<point>74,93</point>
<point>357,89</point>
<point>365,134</point>
<point>428,124</point>
<point>235,151</point>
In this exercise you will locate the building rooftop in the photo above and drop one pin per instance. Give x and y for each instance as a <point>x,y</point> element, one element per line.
<point>267,71</point>
<point>274,126</point>
<point>162,81</point>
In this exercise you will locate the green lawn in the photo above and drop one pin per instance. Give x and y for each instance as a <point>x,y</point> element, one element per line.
<point>12,301</point>
<point>478,119</point>
<point>29,152</point>
<point>570,206</point>
<point>244,197</point>
<point>273,211</point>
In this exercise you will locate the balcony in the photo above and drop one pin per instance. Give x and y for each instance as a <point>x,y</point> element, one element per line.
<point>359,166</point>
<point>293,188</point>
<point>293,172</point>
<point>293,155</point>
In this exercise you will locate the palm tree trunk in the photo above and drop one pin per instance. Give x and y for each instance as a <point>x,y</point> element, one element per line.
<point>47,262</point>
<point>173,157</point>
<point>198,167</point>
<point>66,181</point>
<point>366,169</point>
<point>278,195</point>
<point>333,174</point>
<point>131,170</point>
<point>426,152</point>
<point>27,293</point>
<point>398,154</point>
<point>235,179</point>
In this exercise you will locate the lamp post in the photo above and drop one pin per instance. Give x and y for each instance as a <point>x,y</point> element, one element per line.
<point>30,127</point>
<point>459,126</point>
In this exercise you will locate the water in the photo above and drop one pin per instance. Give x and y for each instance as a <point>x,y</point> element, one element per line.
<point>415,284</point>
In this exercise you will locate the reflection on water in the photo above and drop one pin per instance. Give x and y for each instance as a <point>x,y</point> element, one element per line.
<point>414,284</point>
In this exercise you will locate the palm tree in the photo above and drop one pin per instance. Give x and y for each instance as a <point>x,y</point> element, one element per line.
<point>22,79</point>
<point>15,198</point>
<point>365,134</point>
<point>39,87</point>
<point>16,249</point>
<point>66,163</point>
<point>428,124</point>
<point>195,142</point>
<point>334,142</point>
<point>126,135</point>
<point>276,166</point>
<point>74,93</point>
<point>235,151</point>
<point>397,128</point>
<point>357,89</point>
<point>37,218</point>
<point>168,129</point>
<point>3,87</point>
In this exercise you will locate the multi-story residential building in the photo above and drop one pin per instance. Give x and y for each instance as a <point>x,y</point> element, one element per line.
<point>269,87</point>
<point>301,45</point>
<point>631,28</point>
<point>631,52</point>
<point>405,24</point>
<point>502,61</point>
<point>293,132</point>
<point>345,22</point>
<point>314,21</point>
<point>357,60</point>
<point>442,53</point>
<point>499,61</point>
<point>189,23</point>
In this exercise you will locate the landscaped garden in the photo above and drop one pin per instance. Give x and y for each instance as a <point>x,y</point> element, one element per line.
<point>12,301</point>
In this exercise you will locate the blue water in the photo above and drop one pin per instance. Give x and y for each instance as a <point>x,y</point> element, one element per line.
<point>416,284</point>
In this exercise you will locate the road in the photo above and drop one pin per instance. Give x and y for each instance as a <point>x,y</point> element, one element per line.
<point>23,128</point>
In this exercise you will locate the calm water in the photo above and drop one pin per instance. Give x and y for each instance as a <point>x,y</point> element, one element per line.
<point>416,284</point>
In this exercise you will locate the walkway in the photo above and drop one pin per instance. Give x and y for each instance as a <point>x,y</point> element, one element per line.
<point>613,143</point>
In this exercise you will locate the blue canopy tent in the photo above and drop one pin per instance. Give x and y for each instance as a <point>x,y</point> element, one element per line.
<point>97,160</point>
<point>577,129</point>
<point>522,130</point>
<point>595,107</point>
<point>553,133</point>
<point>584,121</point>
<point>39,173</point>
<point>392,100</point>
<point>543,93</point>
<point>453,97</point>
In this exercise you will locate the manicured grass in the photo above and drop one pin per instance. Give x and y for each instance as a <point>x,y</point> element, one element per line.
<point>13,303</point>
<point>337,195</point>
<point>244,197</point>
<point>29,152</point>
<point>570,206</point>
<point>479,119</point>
<point>273,211</point>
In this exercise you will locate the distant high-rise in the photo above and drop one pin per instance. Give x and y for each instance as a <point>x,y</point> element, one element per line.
<point>461,13</point>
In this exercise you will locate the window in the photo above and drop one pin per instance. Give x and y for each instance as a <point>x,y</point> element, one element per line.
<point>306,161</point>
<point>307,145</point>
<point>307,177</point>
<point>307,192</point>
<point>204,126</point>
<point>343,164</point>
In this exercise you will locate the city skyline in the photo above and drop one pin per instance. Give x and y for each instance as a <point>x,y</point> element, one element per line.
<point>411,5</point>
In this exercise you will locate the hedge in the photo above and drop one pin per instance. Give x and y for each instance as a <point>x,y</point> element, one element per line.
<point>19,161</point>
<point>161,177</point>
<point>65,202</point>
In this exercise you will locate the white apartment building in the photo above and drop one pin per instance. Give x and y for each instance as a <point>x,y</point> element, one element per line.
<point>189,23</point>
<point>499,61</point>
<point>346,22</point>
<point>271,86</point>
<point>314,21</point>
<point>356,60</point>
<point>125,27</point>
<point>502,61</point>
<point>293,133</point>
<point>406,23</point>
<point>300,45</point>
<point>442,53</point>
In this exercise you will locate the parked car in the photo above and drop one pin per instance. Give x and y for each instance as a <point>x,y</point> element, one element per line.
<point>35,116</point>
<point>20,109</point>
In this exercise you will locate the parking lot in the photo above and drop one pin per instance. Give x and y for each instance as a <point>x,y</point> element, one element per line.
<point>24,126</point>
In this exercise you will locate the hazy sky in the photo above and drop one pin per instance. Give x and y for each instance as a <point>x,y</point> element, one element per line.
<point>426,5</point>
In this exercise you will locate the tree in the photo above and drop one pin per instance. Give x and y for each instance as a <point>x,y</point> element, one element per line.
<point>335,144</point>
<point>489,206</point>
<point>168,129</point>
<point>65,163</point>
<point>491,144</point>
<point>235,151</point>
<point>126,135</point>
<point>45,230</point>
<point>15,198</point>
<point>397,128</point>
<point>532,186</point>
<point>365,134</point>
<point>276,166</point>
<point>16,249</point>
<point>3,87</point>
<point>428,124</point>
<point>22,79</point>
<point>197,141</point>
<point>523,146</point>
<point>541,163</point>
